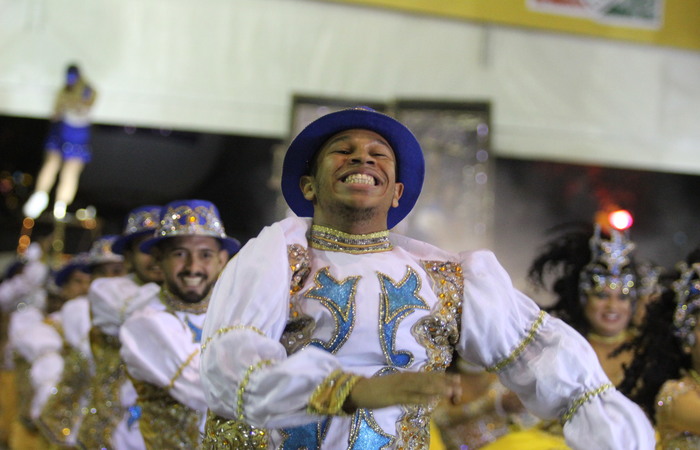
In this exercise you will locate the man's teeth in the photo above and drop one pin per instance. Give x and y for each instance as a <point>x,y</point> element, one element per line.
<point>359,178</point>
<point>192,281</point>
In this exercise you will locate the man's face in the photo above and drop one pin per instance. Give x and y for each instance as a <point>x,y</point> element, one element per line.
<point>143,264</point>
<point>77,284</point>
<point>108,270</point>
<point>354,179</point>
<point>191,265</point>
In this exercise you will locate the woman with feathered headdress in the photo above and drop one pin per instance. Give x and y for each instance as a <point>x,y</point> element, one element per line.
<point>595,284</point>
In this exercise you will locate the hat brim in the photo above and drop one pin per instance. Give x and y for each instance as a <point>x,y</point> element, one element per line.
<point>123,242</point>
<point>229,244</point>
<point>64,273</point>
<point>409,156</point>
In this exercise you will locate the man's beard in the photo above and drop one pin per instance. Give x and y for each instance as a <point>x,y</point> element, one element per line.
<point>350,214</point>
<point>189,297</point>
<point>354,215</point>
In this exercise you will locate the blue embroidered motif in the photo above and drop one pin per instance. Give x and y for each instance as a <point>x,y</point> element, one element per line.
<point>307,437</point>
<point>339,299</point>
<point>134,415</point>
<point>398,301</point>
<point>365,433</point>
<point>196,331</point>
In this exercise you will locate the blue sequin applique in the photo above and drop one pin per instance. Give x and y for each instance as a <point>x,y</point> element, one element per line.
<point>339,298</point>
<point>397,301</point>
<point>307,437</point>
<point>366,434</point>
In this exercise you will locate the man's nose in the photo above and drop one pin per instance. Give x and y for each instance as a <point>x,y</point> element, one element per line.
<point>362,157</point>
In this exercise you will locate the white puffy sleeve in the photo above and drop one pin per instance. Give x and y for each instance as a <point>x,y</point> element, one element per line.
<point>31,337</point>
<point>158,349</point>
<point>45,375</point>
<point>39,343</point>
<point>112,300</point>
<point>551,367</point>
<point>76,324</point>
<point>246,372</point>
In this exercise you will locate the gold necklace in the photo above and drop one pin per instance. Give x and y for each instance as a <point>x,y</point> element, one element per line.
<point>619,338</point>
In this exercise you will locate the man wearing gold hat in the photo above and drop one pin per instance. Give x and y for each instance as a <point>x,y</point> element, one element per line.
<point>161,341</point>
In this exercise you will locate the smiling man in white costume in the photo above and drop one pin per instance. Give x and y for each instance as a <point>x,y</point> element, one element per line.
<point>332,332</point>
<point>160,342</point>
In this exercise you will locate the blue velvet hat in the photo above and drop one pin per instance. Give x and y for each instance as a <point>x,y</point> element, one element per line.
<point>191,218</point>
<point>140,221</point>
<point>79,262</point>
<point>409,156</point>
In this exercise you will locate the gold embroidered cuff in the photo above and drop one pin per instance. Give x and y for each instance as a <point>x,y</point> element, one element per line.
<point>534,329</point>
<point>244,384</point>
<point>330,395</point>
<point>583,399</point>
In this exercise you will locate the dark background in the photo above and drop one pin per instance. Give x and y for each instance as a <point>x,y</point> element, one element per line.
<point>137,166</point>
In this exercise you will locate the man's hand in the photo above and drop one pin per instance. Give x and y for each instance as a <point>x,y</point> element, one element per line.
<point>406,388</point>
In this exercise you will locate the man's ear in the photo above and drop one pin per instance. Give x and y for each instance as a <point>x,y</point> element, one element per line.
<point>223,256</point>
<point>398,192</point>
<point>307,187</point>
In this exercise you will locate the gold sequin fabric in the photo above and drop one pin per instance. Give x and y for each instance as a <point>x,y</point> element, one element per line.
<point>105,409</point>
<point>323,238</point>
<point>166,423</point>
<point>224,434</point>
<point>671,438</point>
<point>297,333</point>
<point>25,392</point>
<point>438,332</point>
<point>63,411</point>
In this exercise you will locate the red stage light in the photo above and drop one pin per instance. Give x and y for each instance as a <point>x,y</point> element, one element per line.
<point>620,219</point>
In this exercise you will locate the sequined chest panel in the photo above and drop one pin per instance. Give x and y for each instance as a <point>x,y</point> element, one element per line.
<point>387,310</point>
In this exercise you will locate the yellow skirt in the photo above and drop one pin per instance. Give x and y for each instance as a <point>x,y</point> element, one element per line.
<point>532,439</point>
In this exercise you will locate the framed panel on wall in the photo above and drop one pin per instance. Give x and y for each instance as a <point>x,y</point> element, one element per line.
<point>455,210</point>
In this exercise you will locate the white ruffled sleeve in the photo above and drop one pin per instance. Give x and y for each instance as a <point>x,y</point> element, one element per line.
<point>112,300</point>
<point>158,349</point>
<point>246,373</point>
<point>76,325</point>
<point>45,375</point>
<point>31,337</point>
<point>551,367</point>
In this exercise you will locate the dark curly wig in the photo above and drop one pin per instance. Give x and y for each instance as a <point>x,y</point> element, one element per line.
<point>658,351</point>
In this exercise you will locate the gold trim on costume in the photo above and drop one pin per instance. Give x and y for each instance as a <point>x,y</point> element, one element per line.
<point>225,330</point>
<point>181,368</point>
<point>583,399</point>
<point>328,398</point>
<point>244,384</point>
<point>324,238</point>
<point>233,434</point>
<point>521,347</point>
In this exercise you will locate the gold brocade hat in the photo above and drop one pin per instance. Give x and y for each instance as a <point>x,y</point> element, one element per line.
<point>191,218</point>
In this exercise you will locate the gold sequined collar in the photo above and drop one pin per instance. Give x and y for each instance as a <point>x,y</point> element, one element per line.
<point>172,303</point>
<point>323,238</point>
